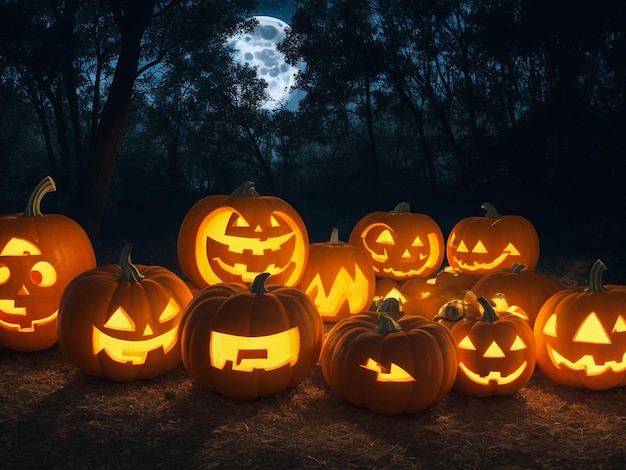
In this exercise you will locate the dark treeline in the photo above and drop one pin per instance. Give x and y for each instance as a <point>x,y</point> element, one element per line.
<point>137,110</point>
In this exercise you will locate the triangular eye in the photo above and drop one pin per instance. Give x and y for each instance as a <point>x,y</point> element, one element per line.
<point>549,329</point>
<point>479,248</point>
<point>620,325</point>
<point>510,249</point>
<point>518,344</point>
<point>241,221</point>
<point>592,331</point>
<point>120,321</point>
<point>385,237</point>
<point>466,343</point>
<point>170,311</point>
<point>274,222</point>
<point>462,247</point>
<point>417,242</point>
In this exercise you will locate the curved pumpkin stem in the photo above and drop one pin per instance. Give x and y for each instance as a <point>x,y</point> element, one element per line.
<point>246,189</point>
<point>518,268</point>
<point>595,277</point>
<point>489,314</point>
<point>33,206</point>
<point>130,273</point>
<point>401,208</point>
<point>258,285</point>
<point>386,324</point>
<point>492,212</point>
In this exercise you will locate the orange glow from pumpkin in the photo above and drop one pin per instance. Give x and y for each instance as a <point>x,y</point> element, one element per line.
<point>344,288</point>
<point>480,249</point>
<point>247,353</point>
<point>494,351</point>
<point>393,373</point>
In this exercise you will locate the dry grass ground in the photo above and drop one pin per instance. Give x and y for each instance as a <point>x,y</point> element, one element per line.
<point>54,416</point>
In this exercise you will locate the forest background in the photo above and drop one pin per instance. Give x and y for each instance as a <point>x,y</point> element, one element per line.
<point>137,110</point>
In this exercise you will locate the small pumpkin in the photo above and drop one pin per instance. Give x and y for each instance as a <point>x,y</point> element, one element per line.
<point>39,255</point>
<point>459,309</point>
<point>480,245</point>
<point>389,367</point>
<point>234,238</point>
<point>401,244</point>
<point>339,278</point>
<point>496,354</point>
<point>248,342</point>
<point>121,321</point>
<point>581,334</point>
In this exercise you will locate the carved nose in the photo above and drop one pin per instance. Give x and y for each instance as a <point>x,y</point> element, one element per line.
<point>23,291</point>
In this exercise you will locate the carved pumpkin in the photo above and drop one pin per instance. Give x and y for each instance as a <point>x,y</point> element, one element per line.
<point>39,256</point>
<point>251,342</point>
<point>480,245</point>
<point>339,278</point>
<point>401,244</point>
<point>389,367</point>
<point>234,238</point>
<point>425,297</point>
<point>386,288</point>
<point>581,335</point>
<point>496,353</point>
<point>122,321</point>
<point>527,290</point>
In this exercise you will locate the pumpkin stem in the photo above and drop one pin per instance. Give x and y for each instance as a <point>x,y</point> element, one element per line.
<point>489,314</point>
<point>334,237</point>
<point>33,206</point>
<point>401,208</point>
<point>258,285</point>
<point>386,324</point>
<point>492,212</point>
<point>130,273</point>
<point>246,189</point>
<point>518,268</point>
<point>595,277</point>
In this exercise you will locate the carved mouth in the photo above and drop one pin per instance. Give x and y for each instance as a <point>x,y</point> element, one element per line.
<point>132,351</point>
<point>8,307</point>
<point>586,363</point>
<point>493,376</point>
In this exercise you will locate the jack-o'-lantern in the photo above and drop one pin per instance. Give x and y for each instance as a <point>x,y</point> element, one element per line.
<point>401,244</point>
<point>425,297</point>
<point>387,366</point>
<point>123,321</point>
<point>234,238</point>
<point>527,290</point>
<point>251,342</point>
<point>496,354</point>
<point>581,334</point>
<point>480,245</point>
<point>339,278</point>
<point>39,256</point>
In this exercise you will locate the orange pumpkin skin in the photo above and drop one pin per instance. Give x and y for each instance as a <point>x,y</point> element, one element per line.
<point>401,244</point>
<point>39,255</point>
<point>246,343</point>
<point>123,321</point>
<point>581,335</point>
<point>528,290</point>
<point>234,238</point>
<point>480,245</point>
<point>387,367</point>
<point>496,354</point>
<point>339,278</point>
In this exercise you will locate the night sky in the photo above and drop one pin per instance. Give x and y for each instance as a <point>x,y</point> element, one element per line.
<point>281,9</point>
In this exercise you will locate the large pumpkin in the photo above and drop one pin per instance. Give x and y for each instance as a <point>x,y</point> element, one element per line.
<point>234,238</point>
<point>251,342</point>
<point>389,367</point>
<point>39,255</point>
<point>480,245</point>
<point>496,353</point>
<point>339,278</point>
<point>122,321</point>
<point>401,244</point>
<point>581,334</point>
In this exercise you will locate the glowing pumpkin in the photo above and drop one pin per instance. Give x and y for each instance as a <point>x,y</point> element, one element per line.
<point>122,321</point>
<point>39,256</point>
<point>480,245</point>
<point>496,354</point>
<point>251,342</point>
<point>401,244</point>
<point>527,290</point>
<point>234,238</point>
<point>339,278</point>
<point>581,334</point>
<point>389,367</point>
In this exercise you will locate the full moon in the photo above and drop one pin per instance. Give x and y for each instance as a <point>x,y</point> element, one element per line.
<point>258,50</point>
